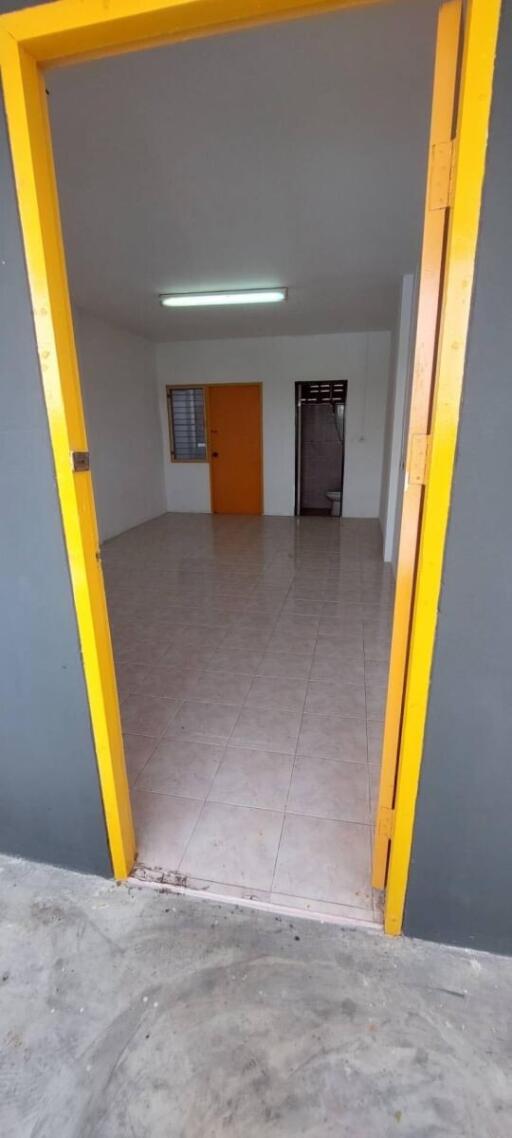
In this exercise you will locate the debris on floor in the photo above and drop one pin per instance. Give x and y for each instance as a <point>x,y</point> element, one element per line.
<point>124,1011</point>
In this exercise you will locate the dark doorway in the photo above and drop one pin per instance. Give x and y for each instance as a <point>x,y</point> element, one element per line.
<point>320,447</point>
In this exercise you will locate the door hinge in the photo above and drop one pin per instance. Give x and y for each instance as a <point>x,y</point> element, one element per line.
<point>441,175</point>
<point>80,460</point>
<point>386,822</point>
<point>418,459</point>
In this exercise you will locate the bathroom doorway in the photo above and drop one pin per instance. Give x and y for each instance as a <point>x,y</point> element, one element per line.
<point>320,448</point>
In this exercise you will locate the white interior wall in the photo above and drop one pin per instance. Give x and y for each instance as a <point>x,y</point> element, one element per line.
<point>399,385</point>
<point>405,421</point>
<point>388,431</point>
<point>278,362</point>
<point>118,372</point>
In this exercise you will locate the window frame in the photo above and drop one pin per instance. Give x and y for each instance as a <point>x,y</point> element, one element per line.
<point>169,388</point>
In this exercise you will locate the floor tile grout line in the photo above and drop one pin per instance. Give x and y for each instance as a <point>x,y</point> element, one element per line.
<point>278,751</point>
<point>142,769</point>
<point>291,778</point>
<point>368,770</point>
<point>368,764</point>
<point>202,801</point>
<point>274,868</point>
<point>157,792</point>
<point>214,775</point>
<point>196,824</point>
<point>323,901</point>
<point>206,797</point>
<point>145,734</point>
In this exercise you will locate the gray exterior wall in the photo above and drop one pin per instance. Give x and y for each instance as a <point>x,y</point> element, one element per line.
<point>460,885</point>
<point>50,804</point>
<point>50,808</point>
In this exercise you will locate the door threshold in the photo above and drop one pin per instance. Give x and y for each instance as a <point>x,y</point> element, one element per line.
<point>298,908</point>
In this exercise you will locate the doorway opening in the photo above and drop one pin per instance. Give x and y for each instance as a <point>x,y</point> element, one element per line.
<point>319,448</point>
<point>26,106</point>
<point>251,652</point>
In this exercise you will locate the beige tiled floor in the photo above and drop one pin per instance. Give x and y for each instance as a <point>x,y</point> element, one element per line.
<point>251,657</point>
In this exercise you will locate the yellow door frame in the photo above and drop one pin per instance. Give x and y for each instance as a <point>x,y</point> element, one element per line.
<point>69,31</point>
<point>477,73</point>
<point>435,223</point>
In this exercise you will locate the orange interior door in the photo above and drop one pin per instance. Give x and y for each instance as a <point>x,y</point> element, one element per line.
<point>234,419</point>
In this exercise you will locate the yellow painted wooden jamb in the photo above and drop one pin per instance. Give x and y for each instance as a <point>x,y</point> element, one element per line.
<point>429,298</point>
<point>474,110</point>
<point>25,102</point>
<point>70,30</point>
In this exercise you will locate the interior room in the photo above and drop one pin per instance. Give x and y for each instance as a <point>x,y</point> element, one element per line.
<point>247,457</point>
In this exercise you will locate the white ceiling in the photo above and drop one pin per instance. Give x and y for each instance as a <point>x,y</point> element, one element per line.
<point>289,155</point>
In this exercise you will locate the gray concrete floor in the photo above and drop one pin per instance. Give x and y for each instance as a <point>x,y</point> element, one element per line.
<point>127,1012</point>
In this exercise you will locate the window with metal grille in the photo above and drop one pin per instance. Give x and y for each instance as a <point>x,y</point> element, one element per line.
<point>187,426</point>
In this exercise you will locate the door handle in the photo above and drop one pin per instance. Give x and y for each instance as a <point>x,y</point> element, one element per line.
<point>215,454</point>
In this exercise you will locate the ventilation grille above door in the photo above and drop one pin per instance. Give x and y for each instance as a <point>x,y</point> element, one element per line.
<point>324,392</point>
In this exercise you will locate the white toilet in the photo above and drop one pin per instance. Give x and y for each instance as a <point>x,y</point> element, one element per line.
<point>334,497</point>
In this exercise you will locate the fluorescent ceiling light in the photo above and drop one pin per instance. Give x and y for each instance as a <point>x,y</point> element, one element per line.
<point>213,299</point>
